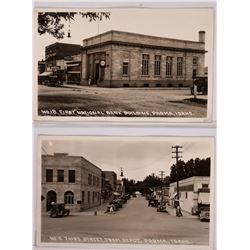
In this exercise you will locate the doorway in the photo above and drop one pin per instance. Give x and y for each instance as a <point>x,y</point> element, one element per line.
<point>51,197</point>
<point>96,72</point>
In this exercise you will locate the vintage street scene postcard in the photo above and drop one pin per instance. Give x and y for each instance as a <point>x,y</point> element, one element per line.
<point>155,191</point>
<point>123,64</point>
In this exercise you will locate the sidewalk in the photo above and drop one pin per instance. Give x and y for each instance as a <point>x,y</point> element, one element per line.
<point>172,211</point>
<point>95,211</point>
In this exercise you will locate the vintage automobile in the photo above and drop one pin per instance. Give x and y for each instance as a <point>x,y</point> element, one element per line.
<point>201,84</point>
<point>115,207</point>
<point>55,81</point>
<point>204,213</point>
<point>58,210</point>
<point>162,208</point>
<point>153,202</point>
<point>118,202</point>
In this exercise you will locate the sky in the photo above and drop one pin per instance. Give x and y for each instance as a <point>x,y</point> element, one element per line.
<point>138,156</point>
<point>172,23</point>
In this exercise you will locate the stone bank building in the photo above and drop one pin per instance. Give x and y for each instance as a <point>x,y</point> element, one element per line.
<point>72,180</point>
<point>122,59</point>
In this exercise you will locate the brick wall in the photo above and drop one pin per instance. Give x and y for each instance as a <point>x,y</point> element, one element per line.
<point>82,168</point>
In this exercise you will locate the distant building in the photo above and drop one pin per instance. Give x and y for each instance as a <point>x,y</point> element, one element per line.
<point>67,57</point>
<point>188,191</point>
<point>41,66</point>
<point>111,177</point>
<point>109,180</point>
<point>72,180</point>
<point>119,186</point>
<point>123,59</point>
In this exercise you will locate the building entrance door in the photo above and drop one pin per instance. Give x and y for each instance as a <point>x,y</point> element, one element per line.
<point>51,197</point>
<point>96,73</point>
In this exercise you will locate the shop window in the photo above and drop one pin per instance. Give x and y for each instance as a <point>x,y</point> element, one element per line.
<point>83,197</point>
<point>179,66</point>
<point>88,196</point>
<point>169,65</point>
<point>89,179</point>
<point>72,177</point>
<point>194,72</point>
<point>145,63</point>
<point>107,60</point>
<point>157,65</point>
<point>125,68</point>
<point>60,175</point>
<point>195,60</point>
<point>69,197</point>
<point>94,180</point>
<point>49,175</point>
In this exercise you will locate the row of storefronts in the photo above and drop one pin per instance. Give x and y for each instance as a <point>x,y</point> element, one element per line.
<point>123,59</point>
<point>192,191</point>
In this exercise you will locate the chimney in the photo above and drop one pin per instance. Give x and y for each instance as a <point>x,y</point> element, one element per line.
<point>202,36</point>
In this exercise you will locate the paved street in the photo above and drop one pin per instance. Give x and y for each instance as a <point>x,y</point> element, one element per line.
<point>135,222</point>
<point>84,98</point>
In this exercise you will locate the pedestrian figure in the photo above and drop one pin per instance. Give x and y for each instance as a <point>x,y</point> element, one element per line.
<point>111,209</point>
<point>178,211</point>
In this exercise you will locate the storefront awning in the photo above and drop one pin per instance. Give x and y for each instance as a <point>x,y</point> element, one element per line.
<point>173,195</point>
<point>46,73</point>
<point>115,193</point>
<point>72,65</point>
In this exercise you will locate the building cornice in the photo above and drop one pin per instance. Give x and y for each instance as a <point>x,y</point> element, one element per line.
<point>146,46</point>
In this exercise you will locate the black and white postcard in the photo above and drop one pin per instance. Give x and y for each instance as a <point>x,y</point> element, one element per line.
<point>123,64</point>
<point>123,191</point>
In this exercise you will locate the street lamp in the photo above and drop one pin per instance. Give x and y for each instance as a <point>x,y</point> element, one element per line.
<point>123,188</point>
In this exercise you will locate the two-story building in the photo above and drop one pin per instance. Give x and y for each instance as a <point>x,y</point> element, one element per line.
<point>72,180</point>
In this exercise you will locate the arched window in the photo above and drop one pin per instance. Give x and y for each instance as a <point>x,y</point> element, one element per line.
<point>69,197</point>
<point>51,197</point>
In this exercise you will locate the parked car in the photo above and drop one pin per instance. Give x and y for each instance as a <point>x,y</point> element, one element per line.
<point>58,210</point>
<point>201,83</point>
<point>55,81</point>
<point>162,208</point>
<point>115,207</point>
<point>204,213</point>
<point>153,202</point>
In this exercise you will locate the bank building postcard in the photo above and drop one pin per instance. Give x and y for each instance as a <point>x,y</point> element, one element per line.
<point>140,191</point>
<point>123,64</point>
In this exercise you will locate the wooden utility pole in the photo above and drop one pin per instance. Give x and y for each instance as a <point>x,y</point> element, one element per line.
<point>162,174</point>
<point>177,157</point>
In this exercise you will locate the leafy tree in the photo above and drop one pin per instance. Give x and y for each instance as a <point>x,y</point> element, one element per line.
<point>152,181</point>
<point>51,22</point>
<point>166,181</point>
<point>197,167</point>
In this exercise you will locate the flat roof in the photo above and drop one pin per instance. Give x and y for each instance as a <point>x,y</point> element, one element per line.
<point>139,34</point>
